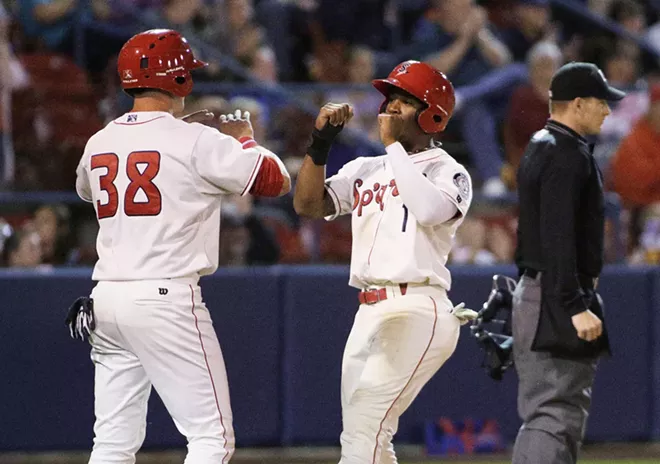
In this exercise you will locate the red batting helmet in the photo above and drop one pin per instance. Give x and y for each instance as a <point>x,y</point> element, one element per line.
<point>429,86</point>
<point>158,59</point>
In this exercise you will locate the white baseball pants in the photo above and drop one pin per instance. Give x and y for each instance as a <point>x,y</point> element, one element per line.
<point>158,333</point>
<point>393,350</point>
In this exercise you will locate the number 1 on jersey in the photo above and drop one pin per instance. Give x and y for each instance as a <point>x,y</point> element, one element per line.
<point>405,218</point>
<point>139,180</point>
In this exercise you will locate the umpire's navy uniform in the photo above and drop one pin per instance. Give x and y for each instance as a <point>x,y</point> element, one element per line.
<point>559,256</point>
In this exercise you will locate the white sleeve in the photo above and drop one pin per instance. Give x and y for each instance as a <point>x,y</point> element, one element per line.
<point>340,187</point>
<point>430,198</point>
<point>83,188</point>
<point>222,165</point>
<point>454,180</point>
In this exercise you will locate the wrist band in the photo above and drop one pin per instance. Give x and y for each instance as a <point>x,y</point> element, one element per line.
<point>247,142</point>
<point>321,142</point>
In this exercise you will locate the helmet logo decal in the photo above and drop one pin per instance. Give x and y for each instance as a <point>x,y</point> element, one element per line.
<point>128,74</point>
<point>403,68</point>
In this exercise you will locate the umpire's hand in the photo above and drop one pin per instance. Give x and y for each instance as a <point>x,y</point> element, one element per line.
<point>588,326</point>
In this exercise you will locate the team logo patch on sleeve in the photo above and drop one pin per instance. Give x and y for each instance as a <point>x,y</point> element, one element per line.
<point>461,181</point>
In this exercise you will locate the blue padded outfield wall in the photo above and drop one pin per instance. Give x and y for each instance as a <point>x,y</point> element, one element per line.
<point>282,331</point>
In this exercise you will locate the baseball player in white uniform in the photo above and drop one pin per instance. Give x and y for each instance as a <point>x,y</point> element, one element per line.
<point>405,206</point>
<point>157,184</point>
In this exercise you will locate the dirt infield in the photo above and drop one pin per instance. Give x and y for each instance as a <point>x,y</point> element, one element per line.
<point>613,453</point>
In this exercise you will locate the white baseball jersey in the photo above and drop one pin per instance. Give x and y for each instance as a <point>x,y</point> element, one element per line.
<point>156,183</point>
<point>389,245</point>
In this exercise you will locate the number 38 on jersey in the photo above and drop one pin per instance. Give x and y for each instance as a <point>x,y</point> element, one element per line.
<point>141,197</point>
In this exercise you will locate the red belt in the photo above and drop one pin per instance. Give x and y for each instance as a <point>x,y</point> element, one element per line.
<point>377,294</point>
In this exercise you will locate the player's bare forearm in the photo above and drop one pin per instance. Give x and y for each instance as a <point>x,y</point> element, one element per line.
<point>310,198</point>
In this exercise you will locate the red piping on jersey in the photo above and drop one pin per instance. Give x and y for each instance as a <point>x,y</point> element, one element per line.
<point>136,123</point>
<point>208,369</point>
<point>269,179</point>
<point>419,363</point>
<point>428,159</point>
<point>254,172</point>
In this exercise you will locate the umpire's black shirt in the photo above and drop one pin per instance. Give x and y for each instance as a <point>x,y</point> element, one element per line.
<point>560,234</point>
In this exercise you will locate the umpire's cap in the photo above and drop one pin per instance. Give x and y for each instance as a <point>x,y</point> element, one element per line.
<point>582,80</point>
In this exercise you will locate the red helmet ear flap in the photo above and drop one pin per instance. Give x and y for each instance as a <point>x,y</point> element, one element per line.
<point>432,121</point>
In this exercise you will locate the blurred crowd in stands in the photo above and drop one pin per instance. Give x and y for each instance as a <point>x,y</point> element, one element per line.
<point>58,86</point>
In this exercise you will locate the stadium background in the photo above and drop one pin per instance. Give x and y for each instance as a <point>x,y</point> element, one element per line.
<point>280,302</point>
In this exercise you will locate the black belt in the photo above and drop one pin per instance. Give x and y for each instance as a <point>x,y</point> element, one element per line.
<point>584,280</point>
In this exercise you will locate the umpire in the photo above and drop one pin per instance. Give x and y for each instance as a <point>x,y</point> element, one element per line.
<point>558,324</point>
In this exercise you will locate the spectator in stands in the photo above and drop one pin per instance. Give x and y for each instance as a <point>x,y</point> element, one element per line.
<point>622,68</point>
<point>362,98</point>
<point>231,27</point>
<point>455,36</point>
<point>601,7</point>
<point>51,222</point>
<point>629,14</point>
<point>635,168</point>
<point>245,240</point>
<point>49,21</point>
<point>263,64</point>
<point>50,25</point>
<point>84,253</point>
<point>118,12</point>
<point>486,237</point>
<point>531,25</point>
<point>287,26</point>
<point>234,240</point>
<point>528,108</point>
<point>22,249</point>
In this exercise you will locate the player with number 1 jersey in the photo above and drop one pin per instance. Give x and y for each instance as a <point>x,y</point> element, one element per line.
<point>405,208</point>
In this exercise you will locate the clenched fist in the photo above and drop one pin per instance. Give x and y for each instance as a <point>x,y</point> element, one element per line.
<point>391,127</point>
<point>588,326</point>
<point>337,114</point>
<point>236,124</point>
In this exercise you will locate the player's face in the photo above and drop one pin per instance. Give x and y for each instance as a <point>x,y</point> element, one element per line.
<point>406,106</point>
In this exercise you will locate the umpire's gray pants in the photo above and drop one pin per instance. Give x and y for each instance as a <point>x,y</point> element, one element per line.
<point>554,394</point>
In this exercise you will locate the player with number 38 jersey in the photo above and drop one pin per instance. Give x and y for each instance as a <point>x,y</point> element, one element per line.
<point>158,193</point>
<point>157,182</point>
